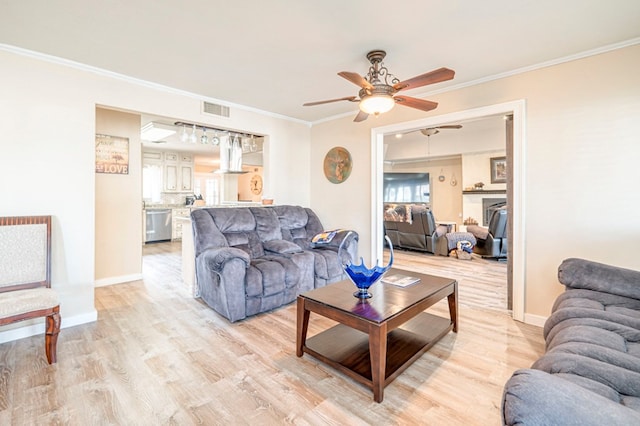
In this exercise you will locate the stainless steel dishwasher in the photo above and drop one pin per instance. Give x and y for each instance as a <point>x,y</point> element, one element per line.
<point>158,225</point>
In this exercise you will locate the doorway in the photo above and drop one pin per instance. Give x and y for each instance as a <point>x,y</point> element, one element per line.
<point>515,154</point>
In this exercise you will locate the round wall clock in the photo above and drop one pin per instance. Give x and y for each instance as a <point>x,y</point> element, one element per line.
<point>337,164</point>
<point>256,184</point>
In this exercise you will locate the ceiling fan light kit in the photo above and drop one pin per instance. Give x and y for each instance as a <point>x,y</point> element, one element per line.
<point>378,87</point>
<point>377,104</point>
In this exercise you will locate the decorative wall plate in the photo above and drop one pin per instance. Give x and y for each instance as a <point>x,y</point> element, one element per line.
<point>337,164</point>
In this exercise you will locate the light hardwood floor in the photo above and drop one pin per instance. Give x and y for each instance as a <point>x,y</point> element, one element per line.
<point>157,356</point>
<point>482,282</point>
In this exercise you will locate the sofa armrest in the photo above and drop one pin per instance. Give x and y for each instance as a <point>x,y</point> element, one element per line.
<point>479,232</point>
<point>585,274</point>
<point>534,397</point>
<point>216,258</point>
<point>281,247</point>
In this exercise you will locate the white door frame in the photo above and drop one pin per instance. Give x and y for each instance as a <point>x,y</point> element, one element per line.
<point>518,109</point>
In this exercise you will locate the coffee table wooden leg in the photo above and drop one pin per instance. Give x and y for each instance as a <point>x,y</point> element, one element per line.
<point>302,326</point>
<point>453,307</point>
<point>378,354</point>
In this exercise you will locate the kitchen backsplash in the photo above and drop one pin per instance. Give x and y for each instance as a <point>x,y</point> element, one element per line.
<point>173,198</point>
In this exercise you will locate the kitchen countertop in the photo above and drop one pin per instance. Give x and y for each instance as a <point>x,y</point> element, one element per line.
<point>165,206</point>
<point>184,206</point>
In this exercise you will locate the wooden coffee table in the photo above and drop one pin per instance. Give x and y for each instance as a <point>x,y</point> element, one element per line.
<point>378,338</point>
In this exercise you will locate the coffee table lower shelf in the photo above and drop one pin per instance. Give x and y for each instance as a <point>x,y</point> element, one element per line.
<point>347,349</point>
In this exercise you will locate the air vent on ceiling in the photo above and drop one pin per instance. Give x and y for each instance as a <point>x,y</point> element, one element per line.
<point>215,109</point>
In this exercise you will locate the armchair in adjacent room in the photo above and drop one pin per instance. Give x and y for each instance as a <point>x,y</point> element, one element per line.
<point>412,227</point>
<point>491,241</point>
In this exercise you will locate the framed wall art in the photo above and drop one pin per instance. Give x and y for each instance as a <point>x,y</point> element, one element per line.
<point>112,155</point>
<point>499,170</point>
<point>337,164</point>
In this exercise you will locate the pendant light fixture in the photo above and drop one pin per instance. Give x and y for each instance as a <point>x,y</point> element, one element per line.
<point>193,138</point>
<point>184,136</point>
<point>215,140</point>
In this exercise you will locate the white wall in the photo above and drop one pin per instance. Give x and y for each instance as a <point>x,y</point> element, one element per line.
<point>477,168</point>
<point>47,117</point>
<point>580,158</point>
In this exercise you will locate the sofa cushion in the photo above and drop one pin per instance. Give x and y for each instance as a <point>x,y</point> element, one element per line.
<point>291,217</point>
<point>281,246</point>
<point>233,219</point>
<point>597,300</point>
<point>581,273</point>
<point>628,333</point>
<point>248,242</point>
<point>622,380</point>
<point>589,334</point>
<point>238,226</point>
<point>293,224</point>
<point>267,223</point>
<point>534,397</point>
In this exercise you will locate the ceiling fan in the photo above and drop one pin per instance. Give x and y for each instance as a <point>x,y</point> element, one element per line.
<point>430,131</point>
<point>378,87</point>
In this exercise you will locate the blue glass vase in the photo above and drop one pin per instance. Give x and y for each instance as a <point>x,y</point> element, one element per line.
<point>364,277</point>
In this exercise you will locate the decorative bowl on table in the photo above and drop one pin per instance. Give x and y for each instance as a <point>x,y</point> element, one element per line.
<point>364,277</point>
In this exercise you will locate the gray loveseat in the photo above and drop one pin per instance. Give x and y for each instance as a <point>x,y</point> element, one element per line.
<point>590,373</point>
<point>254,259</point>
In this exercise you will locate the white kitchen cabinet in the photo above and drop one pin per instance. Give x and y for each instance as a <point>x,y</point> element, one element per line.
<point>152,176</point>
<point>176,222</point>
<point>177,173</point>
<point>177,169</point>
<point>186,177</point>
<point>170,177</point>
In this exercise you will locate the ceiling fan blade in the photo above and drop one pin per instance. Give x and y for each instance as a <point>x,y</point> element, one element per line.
<point>361,117</point>
<point>436,76</point>
<point>450,126</point>
<point>420,104</point>
<point>356,79</point>
<point>346,98</point>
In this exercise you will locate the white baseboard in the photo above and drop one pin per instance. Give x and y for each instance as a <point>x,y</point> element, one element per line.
<point>537,320</point>
<point>117,280</point>
<point>39,328</point>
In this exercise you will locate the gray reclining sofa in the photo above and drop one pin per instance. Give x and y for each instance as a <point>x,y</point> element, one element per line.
<point>254,259</point>
<point>590,373</point>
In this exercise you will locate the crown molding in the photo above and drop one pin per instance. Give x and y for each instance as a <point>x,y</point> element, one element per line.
<point>140,82</point>
<point>550,63</point>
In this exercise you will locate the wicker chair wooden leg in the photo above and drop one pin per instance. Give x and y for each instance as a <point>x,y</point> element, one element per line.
<point>51,335</point>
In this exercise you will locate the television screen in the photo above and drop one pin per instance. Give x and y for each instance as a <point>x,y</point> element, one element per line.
<point>406,188</point>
